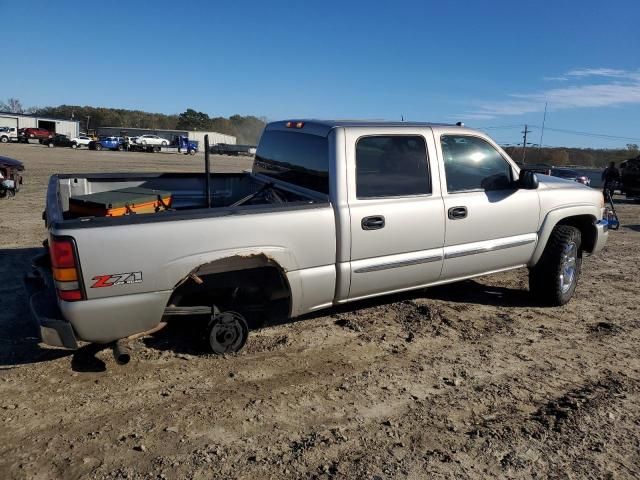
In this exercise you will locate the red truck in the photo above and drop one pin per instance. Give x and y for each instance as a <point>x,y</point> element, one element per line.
<point>40,134</point>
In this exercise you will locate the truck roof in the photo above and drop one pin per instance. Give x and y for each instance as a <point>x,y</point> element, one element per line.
<point>323,127</point>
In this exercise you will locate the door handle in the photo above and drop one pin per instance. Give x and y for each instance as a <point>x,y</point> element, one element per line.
<point>456,213</point>
<point>375,222</point>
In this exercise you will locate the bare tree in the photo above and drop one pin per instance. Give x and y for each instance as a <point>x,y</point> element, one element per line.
<point>15,106</point>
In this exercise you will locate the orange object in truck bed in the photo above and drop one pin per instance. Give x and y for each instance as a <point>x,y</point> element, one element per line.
<point>114,203</point>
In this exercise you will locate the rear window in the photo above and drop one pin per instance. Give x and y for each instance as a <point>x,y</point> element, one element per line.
<point>294,157</point>
<point>632,165</point>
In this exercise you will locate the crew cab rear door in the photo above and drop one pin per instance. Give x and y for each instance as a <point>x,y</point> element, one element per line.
<point>491,224</point>
<point>396,211</point>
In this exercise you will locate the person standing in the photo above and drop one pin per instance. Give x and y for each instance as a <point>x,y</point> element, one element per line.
<point>8,184</point>
<point>610,176</point>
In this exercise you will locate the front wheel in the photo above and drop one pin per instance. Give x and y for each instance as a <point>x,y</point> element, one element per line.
<point>4,139</point>
<point>98,147</point>
<point>74,145</point>
<point>50,145</point>
<point>164,144</point>
<point>555,277</point>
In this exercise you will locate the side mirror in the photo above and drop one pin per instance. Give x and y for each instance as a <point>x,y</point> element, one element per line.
<point>528,180</point>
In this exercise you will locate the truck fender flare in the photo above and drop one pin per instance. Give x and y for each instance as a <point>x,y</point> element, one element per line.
<point>553,218</point>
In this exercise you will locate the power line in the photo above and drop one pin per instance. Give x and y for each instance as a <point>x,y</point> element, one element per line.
<point>563,130</point>
<point>592,134</point>
<point>501,126</point>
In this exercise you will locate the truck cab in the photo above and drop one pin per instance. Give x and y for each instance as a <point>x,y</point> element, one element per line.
<point>8,134</point>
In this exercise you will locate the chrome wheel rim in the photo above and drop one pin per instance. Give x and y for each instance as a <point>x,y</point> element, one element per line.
<point>568,266</point>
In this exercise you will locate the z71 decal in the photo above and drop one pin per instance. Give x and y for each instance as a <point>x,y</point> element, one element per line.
<point>117,279</point>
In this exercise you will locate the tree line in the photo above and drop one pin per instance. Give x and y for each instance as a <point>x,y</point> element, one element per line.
<point>583,157</point>
<point>247,129</point>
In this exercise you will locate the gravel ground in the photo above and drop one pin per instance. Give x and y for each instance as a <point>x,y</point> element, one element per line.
<point>471,380</point>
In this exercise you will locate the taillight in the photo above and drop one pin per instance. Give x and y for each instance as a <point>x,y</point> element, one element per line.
<point>66,270</point>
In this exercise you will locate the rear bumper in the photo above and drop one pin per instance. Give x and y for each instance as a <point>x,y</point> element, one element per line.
<point>54,329</point>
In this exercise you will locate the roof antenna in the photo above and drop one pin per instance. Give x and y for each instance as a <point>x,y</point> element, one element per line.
<point>401,118</point>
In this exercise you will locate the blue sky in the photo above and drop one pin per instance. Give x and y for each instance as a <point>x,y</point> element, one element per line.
<point>487,63</point>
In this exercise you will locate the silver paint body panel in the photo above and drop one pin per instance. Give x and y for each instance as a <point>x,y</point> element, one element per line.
<point>326,256</point>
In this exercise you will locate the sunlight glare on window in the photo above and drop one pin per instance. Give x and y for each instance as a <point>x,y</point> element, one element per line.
<point>477,157</point>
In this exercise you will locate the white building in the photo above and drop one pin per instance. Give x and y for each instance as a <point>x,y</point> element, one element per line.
<point>55,125</point>
<point>214,137</point>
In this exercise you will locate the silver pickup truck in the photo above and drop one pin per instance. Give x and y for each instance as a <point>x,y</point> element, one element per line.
<point>332,212</point>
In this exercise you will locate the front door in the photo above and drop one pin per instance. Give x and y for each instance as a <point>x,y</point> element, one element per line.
<point>490,223</point>
<point>397,217</point>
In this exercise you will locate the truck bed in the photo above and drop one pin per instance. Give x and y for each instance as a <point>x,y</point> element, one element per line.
<point>230,193</point>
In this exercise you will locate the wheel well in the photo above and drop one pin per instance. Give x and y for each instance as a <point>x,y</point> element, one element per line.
<point>254,286</point>
<point>584,223</point>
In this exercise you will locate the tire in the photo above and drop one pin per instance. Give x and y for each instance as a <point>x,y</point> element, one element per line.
<point>98,146</point>
<point>192,152</point>
<point>164,144</point>
<point>50,145</point>
<point>74,145</point>
<point>554,279</point>
<point>120,148</point>
<point>4,139</point>
<point>156,149</point>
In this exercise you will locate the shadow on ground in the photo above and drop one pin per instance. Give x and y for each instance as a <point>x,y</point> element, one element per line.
<point>20,335</point>
<point>19,332</point>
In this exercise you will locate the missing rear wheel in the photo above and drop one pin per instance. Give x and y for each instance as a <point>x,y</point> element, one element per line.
<point>227,332</point>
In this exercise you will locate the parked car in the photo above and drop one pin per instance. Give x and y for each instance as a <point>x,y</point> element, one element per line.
<point>569,174</point>
<point>58,140</point>
<point>630,175</point>
<point>40,134</point>
<point>332,213</point>
<point>107,143</point>
<point>10,176</point>
<point>8,134</point>
<point>80,141</point>
<point>542,168</point>
<point>152,140</point>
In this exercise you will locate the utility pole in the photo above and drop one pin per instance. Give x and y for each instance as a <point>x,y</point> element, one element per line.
<point>525,132</point>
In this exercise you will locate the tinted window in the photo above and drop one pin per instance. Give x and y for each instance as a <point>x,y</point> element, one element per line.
<point>391,166</point>
<point>471,163</point>
<point>294,157</point>
<point>564,173</point>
